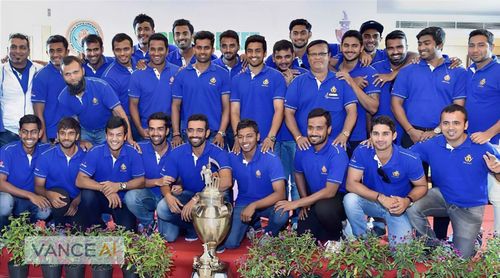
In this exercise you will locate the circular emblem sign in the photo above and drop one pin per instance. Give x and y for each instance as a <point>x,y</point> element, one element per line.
<point>79,30</point>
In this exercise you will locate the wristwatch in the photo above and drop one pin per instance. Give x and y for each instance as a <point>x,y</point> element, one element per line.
<point>437,130</point>
<point>123,185</point>
<point>222,133</point>
<point>273,138</point>
<point>346,133</point>
<point>411,201</point>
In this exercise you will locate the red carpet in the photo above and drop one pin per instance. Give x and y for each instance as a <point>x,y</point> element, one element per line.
<point>185,251</point>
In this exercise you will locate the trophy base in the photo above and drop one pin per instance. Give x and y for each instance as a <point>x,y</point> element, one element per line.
<point>220,272</point>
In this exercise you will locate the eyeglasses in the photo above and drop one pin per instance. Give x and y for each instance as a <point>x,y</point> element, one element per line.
<point>383,175</point>
<point>319,54</point>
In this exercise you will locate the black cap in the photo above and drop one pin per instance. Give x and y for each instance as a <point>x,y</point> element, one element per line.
<point>371,24</point>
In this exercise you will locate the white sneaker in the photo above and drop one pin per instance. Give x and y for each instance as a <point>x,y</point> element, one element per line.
<point>332,246</point>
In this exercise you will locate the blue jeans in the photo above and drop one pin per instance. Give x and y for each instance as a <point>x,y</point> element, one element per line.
<point>356,209</point>
<point>277,220</point>
<point>142,203</point>
<point>94,204</point>
<point>96,137</point>
<point>10,205</point>
<point>7,137</point>
<point>466,222</point>
<point>172,221</point>
<point>286,151</point>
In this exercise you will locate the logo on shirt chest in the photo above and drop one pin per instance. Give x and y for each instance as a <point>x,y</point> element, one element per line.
<point>482,82</point>
<point>171,81</point>
<point>123,167</point>
<point>446,79</point>
<point>332,93</point>
<point>395,174</point>
<point>258,174</point>
<point>468,159</point>
<point>1,163</point>
<point>213,81</point>
<point>265,83</point>
<point>95,101</point>
<point>324,171</point>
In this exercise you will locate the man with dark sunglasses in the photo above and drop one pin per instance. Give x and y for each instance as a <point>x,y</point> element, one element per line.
<point>380,182</point>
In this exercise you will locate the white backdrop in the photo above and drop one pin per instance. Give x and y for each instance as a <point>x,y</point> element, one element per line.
<point>39,19</point>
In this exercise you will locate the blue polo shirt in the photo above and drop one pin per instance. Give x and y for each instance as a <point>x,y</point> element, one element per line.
<point>427,91</point>
<point>384,107</point>
<point>118,77</point>
<point>460,173</point>
<point>90,72</point>
<point>359,131</point>
<point>47,85</point>
<point>153,162</point>
<point>15,164</point>
<point>94,108</point>
<point>483,98</point>
<point>333,95</point>
<point>58,171</point>
<point>141,55</point>
<point>175,58</point>
<point>98,164</point>
<point>232,71</point>
<point>255,178</point>
<point>201,94</point>
<point>284,134</point>
<point>257,94</point>
<point>402,168</point>
<point>329,164</point>
<point>181,163</point>
<point>154,93</point>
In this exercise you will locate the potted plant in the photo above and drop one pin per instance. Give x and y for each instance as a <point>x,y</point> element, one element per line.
<point>13,237</point>
<point>487,261</point>
<point>101,270</point>
<point>129,240</point>
<point>72,269</point>
<point>361,257</point>
<point>50,270</point>
<point>148,255</point>
<point>445,261</point>
<point>281,256</point>
<point>408,255</point>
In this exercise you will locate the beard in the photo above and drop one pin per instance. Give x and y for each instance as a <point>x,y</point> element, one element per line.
<point>78,88</point>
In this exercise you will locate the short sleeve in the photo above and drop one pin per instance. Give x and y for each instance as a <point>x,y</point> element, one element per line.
<point>223,159</point>
<point>357,160</point>
<point>235,92</point>
<point>415,169</point>
<point>89,163</point>
<point>134,87</point>
<point>109,97</point>
<point>348,96</point>
<point>276,172</point>
<point>39,89</point>
<point>170,167</point>
<point>42,166</point>
<point>371,88</point>
<point>338,167</point>
<point>225,88</point>
<point>5,162</point>
<point>460,84</point>
<point>137,164</point>
<point>297,165</point>
<point>400,84</point>
<point>280,87</point>
<point>292,95</point>
<point>177,85</point>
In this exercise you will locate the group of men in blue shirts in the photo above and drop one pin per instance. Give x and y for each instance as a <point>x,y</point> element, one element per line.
<point>157,113</point>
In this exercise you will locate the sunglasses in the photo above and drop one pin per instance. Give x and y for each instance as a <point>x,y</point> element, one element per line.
<point>383,175</point>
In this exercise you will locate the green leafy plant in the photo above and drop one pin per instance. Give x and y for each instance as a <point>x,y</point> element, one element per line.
<point>444,261</point>
<point>486,263</point>
<point>281,256</point>
<point>407,255</point>
<point>362,257</point>
<point>15,233</point>
<point>98,231</point>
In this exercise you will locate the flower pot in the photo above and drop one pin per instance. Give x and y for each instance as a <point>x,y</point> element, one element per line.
<point>129,273</point>
<point>74,270</point>
<point>51,271</point>
<point>18,271</point>
<point>102,271</point>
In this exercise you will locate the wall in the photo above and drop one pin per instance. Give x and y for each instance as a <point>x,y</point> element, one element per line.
<point>270,18</point>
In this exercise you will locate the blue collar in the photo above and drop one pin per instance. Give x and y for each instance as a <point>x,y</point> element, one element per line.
<point>493,61</point>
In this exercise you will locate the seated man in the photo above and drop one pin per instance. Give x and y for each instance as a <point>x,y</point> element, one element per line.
<point>185,163</point>
<point>154,154</point>
<point>460,170</point>
<point>108,173</point>
<point>56,171</point>
<point>380,179</point>
<point>17,163</point>
<point>319,174</point>
<point>261,183</point>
